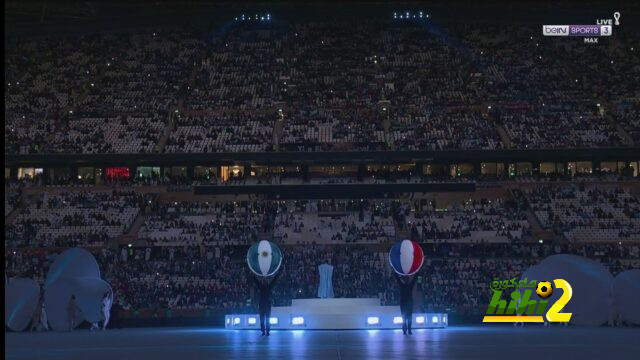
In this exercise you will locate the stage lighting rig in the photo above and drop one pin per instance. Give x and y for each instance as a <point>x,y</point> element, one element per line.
<point>256,17</point>
<point>408,15</point>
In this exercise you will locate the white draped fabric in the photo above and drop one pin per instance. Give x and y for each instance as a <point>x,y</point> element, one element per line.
<point>325,288</point>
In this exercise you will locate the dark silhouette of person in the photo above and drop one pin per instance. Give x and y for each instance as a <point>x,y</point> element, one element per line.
<point>406,284</point>
<point>265,285</point>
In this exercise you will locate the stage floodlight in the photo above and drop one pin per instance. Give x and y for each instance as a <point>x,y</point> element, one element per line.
<point>236,321</point>
<point>227,321</point>
<point>297,320</point>
<point>373,320</point>
<point>444,318</point>
<point>251,320</point>
<point>420,320</point>
<point>434,319</point>
<point>397,320</point>
<point>273,320</point>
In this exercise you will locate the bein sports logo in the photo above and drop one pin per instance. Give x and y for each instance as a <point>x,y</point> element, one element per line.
<point>524,309</point>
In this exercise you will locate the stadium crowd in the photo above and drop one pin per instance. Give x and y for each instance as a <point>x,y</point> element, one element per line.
<point>70,219</point>
<point>588,212</point>
<point>310,86</point>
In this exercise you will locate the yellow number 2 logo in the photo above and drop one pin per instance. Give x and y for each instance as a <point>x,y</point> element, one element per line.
<point>554,315</point>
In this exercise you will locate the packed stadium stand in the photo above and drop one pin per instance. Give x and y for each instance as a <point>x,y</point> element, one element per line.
<point>314,86</point>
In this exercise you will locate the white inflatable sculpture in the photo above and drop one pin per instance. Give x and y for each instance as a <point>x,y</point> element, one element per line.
<point>74,273</point>
<point>626,292</point>
<point>21,299</point>
<point>589,280</point>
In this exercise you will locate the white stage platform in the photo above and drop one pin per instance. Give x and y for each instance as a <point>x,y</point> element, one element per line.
<point>337,313</point>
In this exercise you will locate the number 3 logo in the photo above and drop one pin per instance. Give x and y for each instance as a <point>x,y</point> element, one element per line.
<point>554,315</point>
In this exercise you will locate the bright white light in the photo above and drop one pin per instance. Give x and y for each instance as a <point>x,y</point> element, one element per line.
<point>251,321</point>
<point>419,319</point>
<point>228,321</point>
<point>273,320</point>
<point>236,321</point>
<point>397,320</point>
<point>444,318</point>
<point>540,241</point>
<point>434,319</point>
<point>297,320</point>
<point>373,320</point>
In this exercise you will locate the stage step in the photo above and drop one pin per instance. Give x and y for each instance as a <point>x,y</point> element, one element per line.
<point>337,313</point>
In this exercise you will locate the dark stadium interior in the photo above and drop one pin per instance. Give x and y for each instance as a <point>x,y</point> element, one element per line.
<point>167,137</point>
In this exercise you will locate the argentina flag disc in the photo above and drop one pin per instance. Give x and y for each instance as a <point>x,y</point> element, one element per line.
<point>264,258</point>
<point>406,257</point>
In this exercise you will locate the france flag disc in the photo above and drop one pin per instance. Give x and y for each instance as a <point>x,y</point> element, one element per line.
<point>406,257</point>
<point>264,258</point>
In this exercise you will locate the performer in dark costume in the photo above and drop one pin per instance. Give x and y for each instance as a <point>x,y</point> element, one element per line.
<point>406,284</point>
<point>265,285</point>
